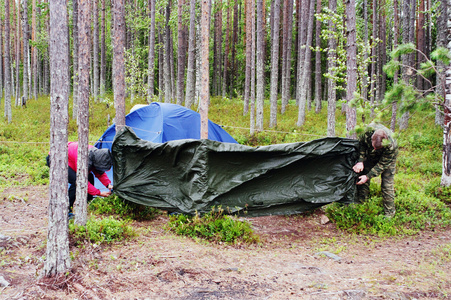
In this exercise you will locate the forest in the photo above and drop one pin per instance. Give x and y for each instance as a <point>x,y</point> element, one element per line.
<point>319,68</point>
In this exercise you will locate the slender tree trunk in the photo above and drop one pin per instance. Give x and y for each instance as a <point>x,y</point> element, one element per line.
<point>75,59</point>
<point>190,76</point>
<point>318,73</point>
<point>204,71</point>
<point>25,51</point>
<point>373,76</point>
<point>332,54</point>
<point>395,79</point>
<point>18,54</point>
<point>118,62</point>
<point>34,51</point>
<point>2,77</point>
<point>383,52</point>
<point>234,42</point>
<point>365,54</point>
<point>421,40</point>
<point>167,64</point>
<point>304,70</point>
<point>95,50</point>
<point>442,15</point>
<point>252,100</point>
<point>181,53</point>
<point>446,165</point>
<point>286,70</point>
<point>260,66</point>
<point>226,54</point>
<point>247,84</point>
<point>7,63</point>
<point>103,53</point>
<point>274,66</point>
<point>351,65</point>
<point>84,41</point>
<point>161,68</point>
<point>408,59</point>
<point>151,58</point>
<point>57,255</point>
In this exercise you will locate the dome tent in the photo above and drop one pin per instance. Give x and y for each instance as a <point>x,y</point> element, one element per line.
<point>162,122</point>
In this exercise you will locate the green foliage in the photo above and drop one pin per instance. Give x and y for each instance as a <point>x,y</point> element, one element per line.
<point>113,205</point>
<point>414,212</point>
<point>213,226</point>
<point>101,231</point>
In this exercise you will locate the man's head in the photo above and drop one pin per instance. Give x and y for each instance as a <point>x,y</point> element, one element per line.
<point>100,159</point>
<point>377,138</point>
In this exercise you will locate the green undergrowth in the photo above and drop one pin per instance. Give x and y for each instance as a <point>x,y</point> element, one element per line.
<point>113,205</point>
<point>102,231</point>
<point>214,226</point>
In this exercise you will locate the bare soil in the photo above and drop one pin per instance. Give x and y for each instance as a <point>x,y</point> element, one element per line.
<point>298,258</point>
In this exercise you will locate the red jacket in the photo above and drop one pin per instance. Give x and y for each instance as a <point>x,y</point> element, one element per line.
<point>72,148</point>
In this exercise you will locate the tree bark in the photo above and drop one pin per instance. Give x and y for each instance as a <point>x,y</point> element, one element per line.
<point>226,54</point>
<point>118,64</point>
<point>84,41</point>
<point>151,58</point>
<point>34,52</point>
<point>286,72</point>
<point>190,76</point>
<point>25,51</point>
<point>260,67</point>
<point>102,53</point>
<point>274,66</point>
<point>167,64</point>
<point>446,165</point>
<point>318,73</point>
<point>303,67</point>
<point>2,77</point>
<point>75,59</point>
<point>7,63</point>
<point>247,83</point>
<point>395,78</point>
<point>181,53</point>
<point>331,102</point>
<point>95,50</point>
<point>204,71</point>
<point>252,96</point>
<point>57,255</point>
<point>351,65</point>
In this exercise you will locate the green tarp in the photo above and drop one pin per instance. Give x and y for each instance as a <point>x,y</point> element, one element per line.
<point>186,176</point>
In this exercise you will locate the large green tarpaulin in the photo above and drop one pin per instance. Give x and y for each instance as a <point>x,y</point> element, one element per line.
<point>186,176</point>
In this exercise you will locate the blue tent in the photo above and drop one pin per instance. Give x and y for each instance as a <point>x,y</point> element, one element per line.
<point>162,122</point>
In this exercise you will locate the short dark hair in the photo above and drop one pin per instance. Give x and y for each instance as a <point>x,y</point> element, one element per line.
<point>377,138</point>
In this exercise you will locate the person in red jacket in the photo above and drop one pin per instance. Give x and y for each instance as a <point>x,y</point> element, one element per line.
<point>100,160</point>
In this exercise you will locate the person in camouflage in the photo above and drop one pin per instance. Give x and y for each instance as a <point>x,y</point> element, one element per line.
<point>378,152</point>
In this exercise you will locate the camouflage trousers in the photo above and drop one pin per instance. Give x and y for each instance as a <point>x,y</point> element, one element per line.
<point>387,187</point>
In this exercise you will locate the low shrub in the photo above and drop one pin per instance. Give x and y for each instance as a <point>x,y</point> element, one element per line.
<point>101,231</point>
<point>113,205</point>
<point>213,226</point>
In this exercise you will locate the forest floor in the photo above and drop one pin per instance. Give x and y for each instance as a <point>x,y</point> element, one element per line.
<point>298,258</point>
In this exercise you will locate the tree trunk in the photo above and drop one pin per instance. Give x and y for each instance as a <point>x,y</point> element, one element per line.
<point>286,64</point>
<point>351,65</point>
<point>407,59</point>
<point>204,71</point>
<point>190,76</point>
<point>102,54</point>
<point>331,102</point>
<point>2,77</point>
<point>84,41</point>
<point>167,64</point>
<point>247,84</point>
<point>181,53</point>
<point>34,52</point>
<point>7,64</point>
<point>373,77</point>
<point>234,42</point>
<point>57,255</point>
<point>25,51</point>
<point>151,58</point>
<point>18,54</point>
<point>252,98</point>
<point>75,59</point>
<point>161,67</point>
<point>421,40</point>
<point>260,67</point>
<point>274,66</point>
<point>383,52</point>
<point>318,73</point>
<point>446,165</point>
<point>303,68</point>
<point>118,65</point>
<point>226,54</point>
<point>395,78</point>
<point>95,50</point>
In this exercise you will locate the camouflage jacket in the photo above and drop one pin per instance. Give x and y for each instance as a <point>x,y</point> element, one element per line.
<point>381,158</point>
